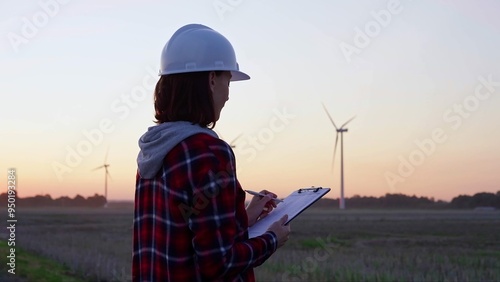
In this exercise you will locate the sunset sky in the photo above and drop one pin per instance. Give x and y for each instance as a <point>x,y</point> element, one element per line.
<point>421,77</point>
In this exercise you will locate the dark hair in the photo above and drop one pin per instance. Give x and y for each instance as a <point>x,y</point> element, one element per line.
<point>185,97</point>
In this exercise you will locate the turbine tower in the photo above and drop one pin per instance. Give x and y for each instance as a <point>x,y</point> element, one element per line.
<point>106,175</point>
<point>340,130</point>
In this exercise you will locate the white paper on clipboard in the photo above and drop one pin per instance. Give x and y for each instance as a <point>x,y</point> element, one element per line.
<point>292,205</point>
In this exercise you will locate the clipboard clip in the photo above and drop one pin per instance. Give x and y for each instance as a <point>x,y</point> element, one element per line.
<point>314,189</point>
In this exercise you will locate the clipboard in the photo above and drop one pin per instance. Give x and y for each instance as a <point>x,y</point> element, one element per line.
<point>292,205</point>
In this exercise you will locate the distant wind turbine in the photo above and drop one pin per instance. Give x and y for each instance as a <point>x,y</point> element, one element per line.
<point>232,143</point>
<point>340,130</point>
<point>106,175</point>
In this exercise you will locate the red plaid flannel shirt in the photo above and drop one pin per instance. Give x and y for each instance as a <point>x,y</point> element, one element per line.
<point>190,220</point>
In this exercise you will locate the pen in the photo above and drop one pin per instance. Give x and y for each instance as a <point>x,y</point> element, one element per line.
<point>260,194</point>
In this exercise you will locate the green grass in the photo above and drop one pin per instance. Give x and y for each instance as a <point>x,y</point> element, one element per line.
<point>35,268</point>
<point>325,245</point>
<point>94,243</point>
<point>313,243</point>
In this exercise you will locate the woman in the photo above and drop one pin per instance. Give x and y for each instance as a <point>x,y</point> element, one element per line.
<point>190,221</point>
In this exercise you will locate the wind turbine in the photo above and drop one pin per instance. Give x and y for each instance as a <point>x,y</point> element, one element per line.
<point>232,142</point>
<point>340,130</point>
<point>106,175</point>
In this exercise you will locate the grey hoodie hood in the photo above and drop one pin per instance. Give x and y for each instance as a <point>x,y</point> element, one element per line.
<point>159,140</point>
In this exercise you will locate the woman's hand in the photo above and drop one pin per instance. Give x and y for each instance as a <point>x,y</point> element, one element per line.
<point>259,207</point>
<point>281,230</point>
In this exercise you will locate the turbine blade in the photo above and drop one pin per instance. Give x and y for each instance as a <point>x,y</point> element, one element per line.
<point>328,114</point>
<point>97,168</point>
<point>335,149</point>
<point>234,140</point>
<point>106,156</point>
<point>347,122</point>
<point>108,174</point>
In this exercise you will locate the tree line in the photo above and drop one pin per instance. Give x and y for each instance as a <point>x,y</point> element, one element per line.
<point>388,201</point>
<point>48,201</point>
<point>401,201</point>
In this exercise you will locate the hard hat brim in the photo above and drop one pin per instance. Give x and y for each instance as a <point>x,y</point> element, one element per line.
<point>198,48</point>
<point>238,75</point>
<point>235,75</point>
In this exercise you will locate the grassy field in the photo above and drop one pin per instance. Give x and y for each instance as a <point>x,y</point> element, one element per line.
<point>33,268</point>
<point>326,245</point>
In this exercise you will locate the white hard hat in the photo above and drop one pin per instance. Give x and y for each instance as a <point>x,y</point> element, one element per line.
<point>195,48</point>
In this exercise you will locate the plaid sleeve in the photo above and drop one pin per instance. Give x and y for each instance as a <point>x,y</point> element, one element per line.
<point>218,217</point>
<point>149,263</point>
